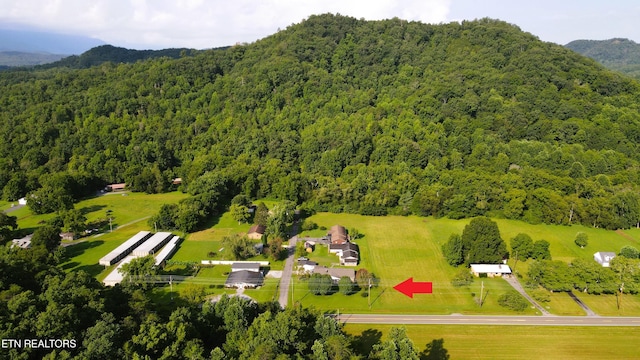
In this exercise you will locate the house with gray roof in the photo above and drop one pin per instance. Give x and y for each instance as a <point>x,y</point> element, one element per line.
<point>604,257</point>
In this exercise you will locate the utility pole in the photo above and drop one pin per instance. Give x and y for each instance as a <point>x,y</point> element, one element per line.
<point>171,286</point>
<point>481,293</point>
<point>369,293</point>
<point>619,297</point>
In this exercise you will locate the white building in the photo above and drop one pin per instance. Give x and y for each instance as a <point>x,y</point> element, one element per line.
<point>604,257</point>
<point>492,270</point>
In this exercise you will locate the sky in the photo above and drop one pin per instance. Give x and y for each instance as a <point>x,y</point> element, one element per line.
<point>202,24</point>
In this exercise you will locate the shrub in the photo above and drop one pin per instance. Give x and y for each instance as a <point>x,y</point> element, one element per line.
<point>629,252</point>
<point>513,300</point>
<point>582,239</point>
<point>462,278</point>
<point>346,286</point>
<point>308,225</point>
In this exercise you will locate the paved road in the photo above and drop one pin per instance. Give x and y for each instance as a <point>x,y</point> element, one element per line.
<point>513,281</point>
<point>285,280</point>
<point>488,320</point>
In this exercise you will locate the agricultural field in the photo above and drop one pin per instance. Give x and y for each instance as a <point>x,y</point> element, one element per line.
<point>396,248</point>
<point>130,214</point>
<point>510,342</point>
<point>393,247</point>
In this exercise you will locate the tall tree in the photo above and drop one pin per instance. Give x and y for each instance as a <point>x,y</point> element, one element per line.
<point>47,236</point>
<point>8,223</point>
<point>398,346</point>
<point>481,239</point>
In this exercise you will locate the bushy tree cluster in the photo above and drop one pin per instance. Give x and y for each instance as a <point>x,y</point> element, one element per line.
<point>480,243</point>
<point>587,275</point>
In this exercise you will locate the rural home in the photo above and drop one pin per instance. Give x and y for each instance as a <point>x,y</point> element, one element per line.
<point>244,275</point>
<point>24,242</point>
<point>335,273</point>
<point>347,252</point>
<point>67,236</point>
<point>306,265</point>
<point>256,231</point>
<point>338,234</point>
<point>604,257</point>
<point>491,270</point>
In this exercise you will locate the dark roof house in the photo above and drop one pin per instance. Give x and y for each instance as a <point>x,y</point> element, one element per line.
<point>244,279</point>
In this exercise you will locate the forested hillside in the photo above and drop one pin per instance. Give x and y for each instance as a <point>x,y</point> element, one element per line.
<point>339,114</point>
<point>617,54</point>
<point>109,53</point>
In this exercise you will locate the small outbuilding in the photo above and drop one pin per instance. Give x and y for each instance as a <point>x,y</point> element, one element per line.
<point>115,187</point>
<point>491,270</point>
<point>256,232</point>
<point>604,257</point>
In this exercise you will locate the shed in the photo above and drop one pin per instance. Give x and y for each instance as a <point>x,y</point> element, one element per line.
<point>115,187</point>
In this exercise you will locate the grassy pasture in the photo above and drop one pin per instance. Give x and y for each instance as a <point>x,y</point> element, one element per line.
<point>396,248</point>
<point>511,342</point>
<point>393,247</point>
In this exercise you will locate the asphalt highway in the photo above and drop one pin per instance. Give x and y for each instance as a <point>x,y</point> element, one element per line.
<point>488,320</point>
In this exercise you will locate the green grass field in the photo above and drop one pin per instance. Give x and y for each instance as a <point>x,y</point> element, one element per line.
<point>393,247</point>
<point>396,248</point>
<point>511,342</point>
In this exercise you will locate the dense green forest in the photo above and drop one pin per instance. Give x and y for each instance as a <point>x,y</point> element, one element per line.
<point>39,301</point>
<point>343,115</point>
<point>617,54</point>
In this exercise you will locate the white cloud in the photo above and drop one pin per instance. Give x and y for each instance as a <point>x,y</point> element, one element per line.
<point>199,23</point>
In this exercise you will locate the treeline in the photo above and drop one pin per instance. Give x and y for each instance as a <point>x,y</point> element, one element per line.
<point>345,115</point>
<point>79,318</point>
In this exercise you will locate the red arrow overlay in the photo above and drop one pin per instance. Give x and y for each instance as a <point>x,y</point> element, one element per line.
<point>408,287</point>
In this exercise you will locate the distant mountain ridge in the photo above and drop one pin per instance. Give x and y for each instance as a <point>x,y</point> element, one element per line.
<point>616,54</point>
<point>32,41</point>
<point>10,59</point>
<point>109,53</point>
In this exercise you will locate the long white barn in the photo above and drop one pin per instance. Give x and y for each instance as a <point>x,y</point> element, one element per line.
<point>153,244</point>
<point>115,277</point>
<point>124,249</point>
<point>168,250</point>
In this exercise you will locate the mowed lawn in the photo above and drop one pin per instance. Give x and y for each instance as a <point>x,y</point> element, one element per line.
<point>130,216</point>
<point>396,248</point>
<point>511,342</point>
